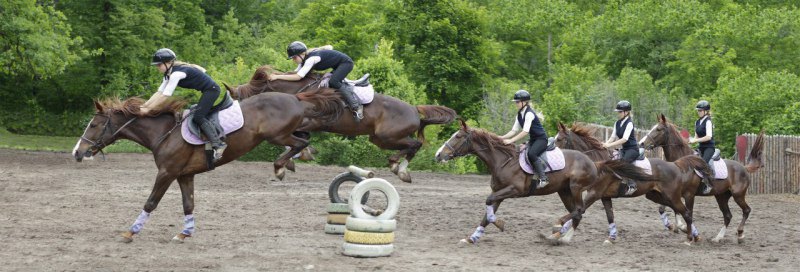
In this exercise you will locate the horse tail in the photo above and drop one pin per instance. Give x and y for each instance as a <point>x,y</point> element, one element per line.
<point>754,161</point>
<point>325,104</point>
<point>694,162</point>
<point>432,114</point>
<point>624,170</point>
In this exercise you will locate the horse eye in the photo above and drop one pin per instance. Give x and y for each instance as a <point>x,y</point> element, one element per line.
<point>659,128</point>
<point>92,125</point>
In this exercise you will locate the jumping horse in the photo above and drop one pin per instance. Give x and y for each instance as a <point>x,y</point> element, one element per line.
<point>665,189</point>
<point>271,117</point>
<point>388,121</point>
<point>509,180</point>
<point>667,136</point>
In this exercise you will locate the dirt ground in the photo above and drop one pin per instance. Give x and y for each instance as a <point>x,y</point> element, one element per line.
<point>59,215</point>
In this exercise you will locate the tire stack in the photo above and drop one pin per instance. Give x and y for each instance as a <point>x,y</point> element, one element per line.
<point>338,209</point>
<point>366,235</point>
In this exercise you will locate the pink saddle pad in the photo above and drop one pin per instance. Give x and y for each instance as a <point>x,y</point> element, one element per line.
<point>231,119</point>
<point>555,161</point>
<point>720,170</point>
<point>645,165</point>
<point>365,94</point>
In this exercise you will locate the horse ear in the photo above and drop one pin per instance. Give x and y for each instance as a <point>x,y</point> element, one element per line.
<point>463,124</point>
<point>227,87</point>
<point>561,126</point>
<point>98,106</point>
<point>662,118</point>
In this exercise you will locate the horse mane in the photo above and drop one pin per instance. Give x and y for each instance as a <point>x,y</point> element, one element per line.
<point>585,133</point>
<point>327,104</point>
<point>259,82</point>
<point>492,141</point>
<point>130,106</point>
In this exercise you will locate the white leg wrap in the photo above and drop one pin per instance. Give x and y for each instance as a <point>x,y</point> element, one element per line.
<point>490,214</point>
<point>612,231</point>
<point>721,234</point>
<point>138,225</point>
<point>695,233</point>
<point>566,226</point>
<point>476,235</point>
<point>188,224</point>
<point>665,219</point>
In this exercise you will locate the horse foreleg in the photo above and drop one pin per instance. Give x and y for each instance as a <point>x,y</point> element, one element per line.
<point>662,211</point>
<point>739,198</point>
<point>492,202</point>
<point>186,183</point>
<point>722,202</point>
<point>569,229</point>
<point>566,198</point>
<point>163,180</point>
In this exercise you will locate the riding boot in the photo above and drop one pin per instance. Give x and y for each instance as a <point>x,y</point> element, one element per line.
<point>631,186</point>
<point>216,140</point>
<point>352,101</point>
<point>539,166</point>
<point>707,180</point>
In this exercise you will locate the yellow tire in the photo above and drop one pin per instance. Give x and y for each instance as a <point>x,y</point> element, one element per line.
<point>368,238</point>
<point>337,218</point>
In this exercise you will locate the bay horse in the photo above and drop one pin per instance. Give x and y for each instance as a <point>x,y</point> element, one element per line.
<point>271,117</point>
<point>667,136</point>
<point>509,180</point>
<point>666,188</point>
<point>388,121</point>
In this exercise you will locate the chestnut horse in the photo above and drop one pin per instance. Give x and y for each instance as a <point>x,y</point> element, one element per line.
<point>388,121</point>
<point>271,117</point>
<point>667,136</point>
<point>509,181</point>
<point>665,189</point>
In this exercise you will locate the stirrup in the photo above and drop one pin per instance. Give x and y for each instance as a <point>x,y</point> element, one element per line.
<point>218,151</point>
<point>631,189</point>
<point>707,188</point>
<point>542,184</point>
<point>359,113</point>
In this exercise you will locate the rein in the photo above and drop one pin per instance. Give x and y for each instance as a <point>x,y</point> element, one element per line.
<point>100,144</point>
<point>163,137</point>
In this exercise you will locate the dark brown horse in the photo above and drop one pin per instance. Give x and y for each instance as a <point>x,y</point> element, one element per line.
<point>665,189</point>
<point>271,117</point>
<point>388,121</point>
<point>667,136</point>
<point>509,181</point>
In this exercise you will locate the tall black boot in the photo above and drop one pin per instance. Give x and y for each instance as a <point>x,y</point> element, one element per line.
<point>707,179</point>
<point>352,100</point>
<point>539,166</point>
<point>216,141</point>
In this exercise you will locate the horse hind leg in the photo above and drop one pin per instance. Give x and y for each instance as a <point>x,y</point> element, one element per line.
<point>408,148</point>
<point>296,145</point>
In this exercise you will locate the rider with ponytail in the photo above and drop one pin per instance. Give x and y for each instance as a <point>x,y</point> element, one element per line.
<point>531,126</point>
<point>624,134</point>
<point>703,135</point>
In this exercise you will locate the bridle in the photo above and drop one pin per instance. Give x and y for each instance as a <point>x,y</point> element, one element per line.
<point>455,152</point>
<point>99,144</point>
<point>667,139</point>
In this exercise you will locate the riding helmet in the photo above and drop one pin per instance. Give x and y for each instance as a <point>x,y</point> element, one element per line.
<point>295,48</point>
<point>522,95</point>
<point>163,55</point>
<point>703,105</point>
<point>623,105</point>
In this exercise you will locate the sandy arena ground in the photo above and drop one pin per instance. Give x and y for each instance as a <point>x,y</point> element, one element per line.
<point>59,215</point>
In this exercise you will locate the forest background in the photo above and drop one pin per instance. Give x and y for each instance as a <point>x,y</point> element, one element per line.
<point>577,58</point>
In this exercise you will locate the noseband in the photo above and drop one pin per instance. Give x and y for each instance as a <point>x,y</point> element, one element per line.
<point>99,144</point>
<point>455,152</point>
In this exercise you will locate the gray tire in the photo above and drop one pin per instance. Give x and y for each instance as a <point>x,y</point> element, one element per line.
<point>334,229</point>
<point>357,250</point>
<point>338,208</point>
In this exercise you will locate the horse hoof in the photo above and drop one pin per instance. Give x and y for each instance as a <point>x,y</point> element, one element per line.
<point>281,173</point>
<point>500,224</point>
<point>671,227</point>
<point>557,228</point>
<point>740,239</point>
<point>608,242</point>
<point>179,238</point>
<point>290,165</point>
<point>405,177</point>
<point>126,237</point>
<point>567,237</point>
<point>465,241</point>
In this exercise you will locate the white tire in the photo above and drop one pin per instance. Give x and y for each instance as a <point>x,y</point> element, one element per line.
<point>334,229</point>
<point>363,187</point>
<point>338,208</point>
<point>369,225</point>
<point>357,250</point>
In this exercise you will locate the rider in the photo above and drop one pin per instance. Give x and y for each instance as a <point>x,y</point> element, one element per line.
<point>321,59</point>
<point>530,125</point>
<point>189,76</point>
<point>703,135</point>
<point>624,135</point>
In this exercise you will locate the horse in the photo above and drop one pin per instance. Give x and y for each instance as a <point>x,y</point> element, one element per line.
<point>271,117</point>
<point>665,189</point>
<point>666,135</point>
<point>509,180</point>
<point>388,121</point>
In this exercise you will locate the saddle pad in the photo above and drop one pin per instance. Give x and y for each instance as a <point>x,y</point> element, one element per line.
<point>365,94</point>
<point>555,161</point>
<point>644,164</point>
<point>230,119</point>
<point>720,170</point>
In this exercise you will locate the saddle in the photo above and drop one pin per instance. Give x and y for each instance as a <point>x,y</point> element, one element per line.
<point>720,168</point>
<point>213,116</point>
<point>361,82</point>
<point>641,161</point>
<point>553,158</point>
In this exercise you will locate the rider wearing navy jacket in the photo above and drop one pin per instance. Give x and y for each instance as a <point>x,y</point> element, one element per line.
<point>322,59</point>
<point>189,76</point>
<point>703,134</point>
<point>624,135</point>
<point>529,123</point>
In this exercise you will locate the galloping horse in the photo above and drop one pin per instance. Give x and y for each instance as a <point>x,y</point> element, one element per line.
<point>388,121</point>
<point>272,117</point>
<point>665,135</point>
<point>665,189</point>
<point>509,180</point>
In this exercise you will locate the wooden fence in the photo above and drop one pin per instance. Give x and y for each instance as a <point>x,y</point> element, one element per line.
<point>781,172</point>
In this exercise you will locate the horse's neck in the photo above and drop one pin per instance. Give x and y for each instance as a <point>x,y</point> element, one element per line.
<point>586,148</point>
<point>293,87</point>
<point>676,150</point>
<point>494,160</point>
<point>145,131</point>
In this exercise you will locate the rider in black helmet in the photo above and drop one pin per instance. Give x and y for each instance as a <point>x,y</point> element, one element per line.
<point>529,123</point>
<point>703,135</point>
<point>624,134</point>
<point>322,59</point>
<point>189,76</point>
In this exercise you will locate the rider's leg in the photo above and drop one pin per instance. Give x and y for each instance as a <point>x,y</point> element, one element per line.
<point>200,118</point>
<point>707,154</point>
<point>535,148</point>
<point>336,82</point>
<point>629,156</point>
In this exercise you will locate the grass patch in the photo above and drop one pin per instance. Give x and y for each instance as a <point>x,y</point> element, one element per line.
<point>59,143</point>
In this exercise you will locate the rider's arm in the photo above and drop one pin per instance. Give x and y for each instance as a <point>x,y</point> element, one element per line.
<point>708,134</point>
<point>166,90</point>
<point>301,73</point>
<point>625,136</point>
<point>513,131</point>
<point>525,128</point>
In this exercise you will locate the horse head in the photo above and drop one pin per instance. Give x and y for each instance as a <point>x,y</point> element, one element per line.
<point>662,134</point>
<point>458,145</point>
<point>101,131</point>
